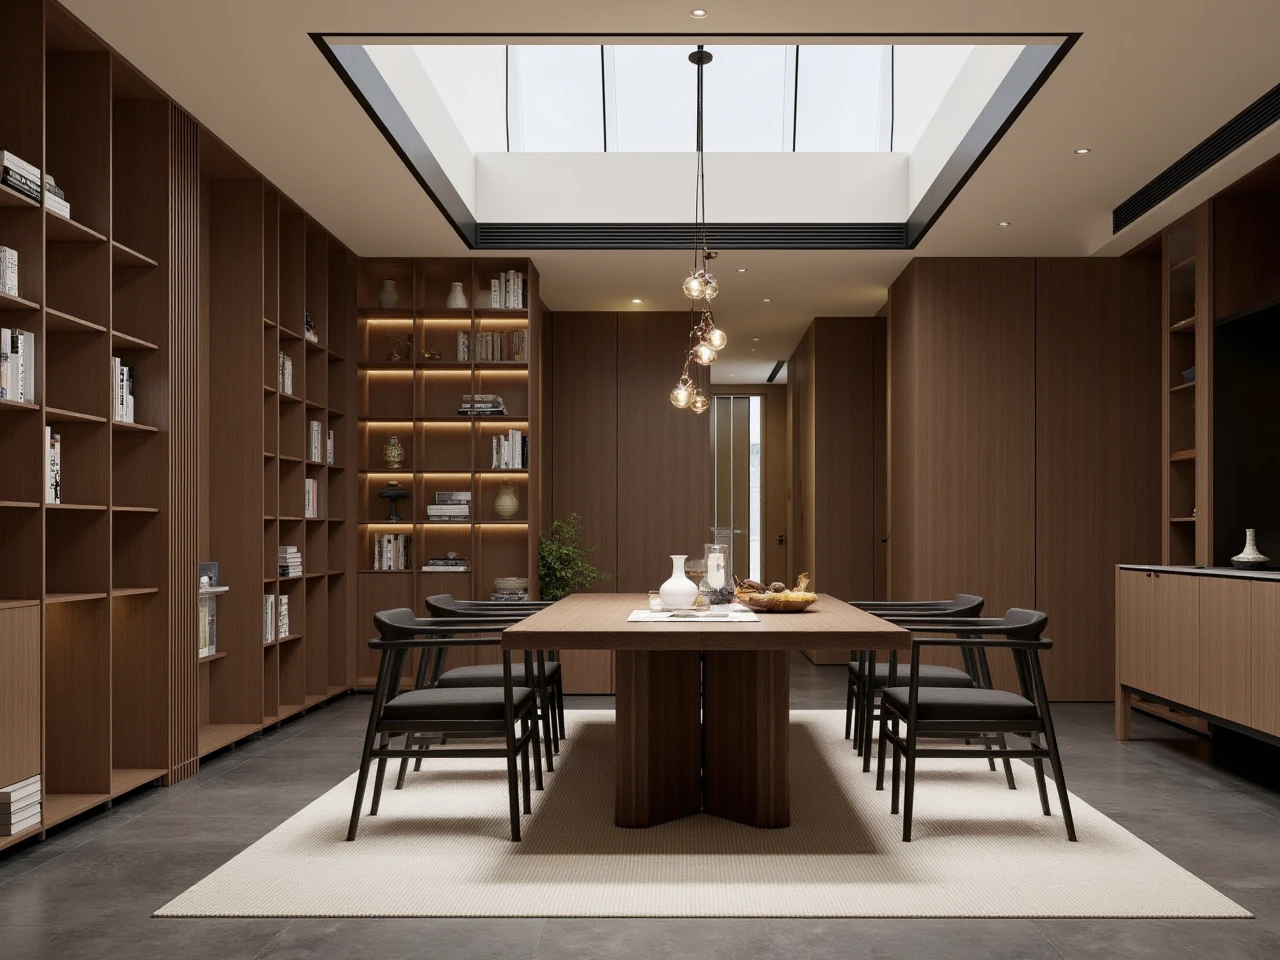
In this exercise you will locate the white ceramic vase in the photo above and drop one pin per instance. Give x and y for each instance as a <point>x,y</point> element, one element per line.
<point>506,504</point>
<point>388,296</point>
<point>1249,558</point>
<point>457,300</point>
<point>678,593</point>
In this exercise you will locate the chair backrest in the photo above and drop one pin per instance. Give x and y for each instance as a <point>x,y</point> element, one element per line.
<point>963,605</point>
<point>1018,623</point>
<point>400,627</point>
<point>444,605</point>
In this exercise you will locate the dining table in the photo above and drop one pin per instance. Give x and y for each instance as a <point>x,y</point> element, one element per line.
<point>702,705</point>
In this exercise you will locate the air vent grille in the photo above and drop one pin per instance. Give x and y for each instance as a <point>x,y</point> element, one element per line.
<point>1233,134</point>
<point>680,236</point>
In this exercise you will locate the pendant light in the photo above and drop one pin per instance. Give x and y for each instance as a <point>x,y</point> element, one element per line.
<point>705,338</point>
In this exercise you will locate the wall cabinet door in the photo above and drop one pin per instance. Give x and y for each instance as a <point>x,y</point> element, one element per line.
<point>1224,647</point>
<point>1135,627</point>
<point>1264,640</point>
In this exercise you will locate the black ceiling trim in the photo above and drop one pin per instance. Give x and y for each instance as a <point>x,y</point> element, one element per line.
<point>680,236</point>
<point>362,78</point>
<point>777,369</point>
<point>1023,81</point>
<point>1228,138</point>
<point>369,88</point>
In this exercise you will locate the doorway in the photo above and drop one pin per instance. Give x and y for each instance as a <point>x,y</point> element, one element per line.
<point>748,501</point>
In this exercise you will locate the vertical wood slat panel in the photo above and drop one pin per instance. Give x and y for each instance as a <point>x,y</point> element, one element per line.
<point>184,174</point>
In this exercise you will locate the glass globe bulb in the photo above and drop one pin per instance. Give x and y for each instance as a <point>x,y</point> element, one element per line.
<point>700,403</point>
<point>682,394</point>
<point>704,353</point>
<point>717,338</point>
<point>710,288</point>
<point>694,286</point>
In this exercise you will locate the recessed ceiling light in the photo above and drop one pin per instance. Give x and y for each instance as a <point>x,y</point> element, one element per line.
<point>767,300</point>
<point>755,339</point>
<point>1082,151</point>
<point>753,349</point>
<point>698,14</point>
<point>1003,223</point>
<point>637,300</point>
<point>742,269</point>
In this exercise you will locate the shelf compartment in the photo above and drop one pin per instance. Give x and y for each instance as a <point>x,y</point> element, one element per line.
<point>10,302</point>
<point>77,701</point>
<point>55,321</point>
<point>123,256</point>
<point>14,198</point>
<point>60,229</point>
<point>16,407</point>
<point>60,415</point>
<point>135,427</point>
<point>215,736</point>
<point>121,341</point>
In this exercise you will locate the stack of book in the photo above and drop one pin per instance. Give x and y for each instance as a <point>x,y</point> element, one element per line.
<point>20,176</point>
<point>311,499</point>
<point>450,563</point>
<point>282,617</point>
<point>55,199</point>
<point>20,806</point>
<point>53,471</point>
<point>481,405</point>
<point>268,617</point>
<point>290,561</point>
<point>9,271</point>
<point>391,551</point>
<point>511,452</point>
<point>17,365</point>
<point>509,291</point>
<point>509,346</point>
<point>122,388</point>
<point>451,506</point>
<point>314,432</point>
<point>328,449</point>
<point>285,383</point>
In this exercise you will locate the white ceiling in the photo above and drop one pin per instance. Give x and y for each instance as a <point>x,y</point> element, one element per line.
<point>1147,80</point>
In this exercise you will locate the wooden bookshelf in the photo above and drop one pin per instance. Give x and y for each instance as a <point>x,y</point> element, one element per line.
<point>414,396</point>
<point>1186,298</point>
<point>99,671</point>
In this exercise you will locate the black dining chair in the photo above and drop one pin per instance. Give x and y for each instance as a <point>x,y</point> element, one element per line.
<point>953,712</point>
<point>550,680</point>
<point>866,677</point>
<point>488,712</point>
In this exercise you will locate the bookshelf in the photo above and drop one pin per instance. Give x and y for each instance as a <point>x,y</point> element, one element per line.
<point>413,394</point>
<point>181,261</point>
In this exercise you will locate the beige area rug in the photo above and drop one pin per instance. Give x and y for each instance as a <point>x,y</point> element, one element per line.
<point>440,848</point>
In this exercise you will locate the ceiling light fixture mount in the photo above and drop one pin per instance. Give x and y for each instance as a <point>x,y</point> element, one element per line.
<point>1081,151</point>
<point>1003,223</point>
<point>636,300</point>
<point>705,339</point>
<point>698,13</point>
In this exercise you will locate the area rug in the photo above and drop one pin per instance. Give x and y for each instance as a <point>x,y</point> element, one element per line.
<point>440,848</point>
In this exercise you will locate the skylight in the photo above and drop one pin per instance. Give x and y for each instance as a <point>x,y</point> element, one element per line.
<point>767,98</point>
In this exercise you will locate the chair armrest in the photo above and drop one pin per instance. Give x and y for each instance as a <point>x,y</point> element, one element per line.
<point>1009,643</point>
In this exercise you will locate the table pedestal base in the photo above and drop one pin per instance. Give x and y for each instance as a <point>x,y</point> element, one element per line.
<point>666,706</point>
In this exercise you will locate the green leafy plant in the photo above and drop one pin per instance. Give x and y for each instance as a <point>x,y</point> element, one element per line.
<point>562,560</point>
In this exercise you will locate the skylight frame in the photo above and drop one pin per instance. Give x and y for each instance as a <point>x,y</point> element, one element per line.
<point>1042,54</point>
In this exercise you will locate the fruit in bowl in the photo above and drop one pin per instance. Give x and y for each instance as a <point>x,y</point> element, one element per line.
<point>776,598</point>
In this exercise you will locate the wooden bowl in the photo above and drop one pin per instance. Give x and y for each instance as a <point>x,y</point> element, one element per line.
<point>776,603</point>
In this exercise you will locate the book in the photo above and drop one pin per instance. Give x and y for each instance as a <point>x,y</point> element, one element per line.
<point>60,207</point>
<point>313,441</point>
<point>20,183</point>
<point>311,499</point>
<point>18,809</point>
<point>391,551</point>
<point>328,449</point>
<point>53,467</point>
<point>495,294</point>
<point>17,362</point>
<point>282,617</point>
<point>9,271</point>
<point>20,790</point>
<point>464,346</point>
<point>285,384</point>
<point>122,378</point>
<point>453,496</point>
<point>268,617</point>
<point>16,827</point>
<point>51,186</point>
<point>18,165</point>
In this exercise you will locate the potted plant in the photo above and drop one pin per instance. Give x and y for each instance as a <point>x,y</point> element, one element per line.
<point>562,562</point>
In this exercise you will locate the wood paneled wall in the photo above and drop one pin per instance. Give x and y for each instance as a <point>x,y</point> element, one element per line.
<point>835,382</point>
<point>634,468</point>
<point>1024,432</point>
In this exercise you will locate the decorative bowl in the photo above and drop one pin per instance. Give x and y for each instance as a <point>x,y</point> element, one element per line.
<point>787,602</point>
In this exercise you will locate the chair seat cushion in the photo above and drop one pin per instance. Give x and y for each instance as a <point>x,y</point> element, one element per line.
<point>462,703</point>
<point>962,705</point>
<point>490,675</point>
<point>930,675</point>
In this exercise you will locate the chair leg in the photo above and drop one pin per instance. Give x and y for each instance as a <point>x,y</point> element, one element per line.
<point>1051,741</point>
<point>513,783</point>
<point>524,764</point>
<point>880,756</point>
<point>560,701</point>
<point>868,709</point>
<point>409,740</point>
<point>382,772</point>
<point>848,706</point>
<point>1008,767</point>
<point>542,711</point>
<point>897,758</point>
<point>1038,765</point>
<point>908,797</point>
<point>366,757</point>
<point>537,758</point>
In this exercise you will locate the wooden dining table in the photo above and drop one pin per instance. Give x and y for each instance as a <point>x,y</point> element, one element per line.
<point>703,706</point>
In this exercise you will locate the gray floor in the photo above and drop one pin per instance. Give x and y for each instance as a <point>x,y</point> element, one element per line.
<point>88,891</point>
